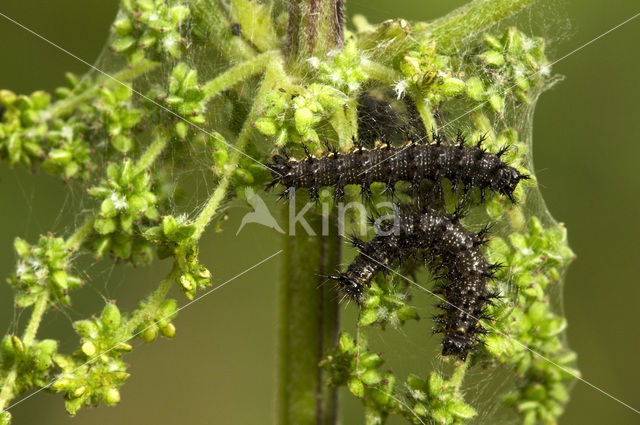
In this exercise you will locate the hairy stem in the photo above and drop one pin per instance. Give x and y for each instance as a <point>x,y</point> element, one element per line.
<point>74,241</point>
<point>379,72</point>
<point>238,73</point>
<point>308,324</point>
<point>452,30</point>
<point>426,112</point>
<point>67,106</point>
<point>459,373</point>
<point>28,338</point>
<point>315,27</point>
<point>152,152</point>
<point>151,305</point>
<point>272,78</point>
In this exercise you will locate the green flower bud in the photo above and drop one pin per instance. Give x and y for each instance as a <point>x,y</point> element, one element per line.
<point>370,360</point>
<point>79,391</point>
<point>122,44</point>
<point>368,316</point>
<point>22,248</point>
<point>356,387</point>
<point>89,349</point>
<point>304,119</point>
<point>59,278</point>
<point>110,317</point>
<point>182,129</point>
<point>436,385</point>
<point>346,344</point>
<point>452,87</point>
<point>7,350</point>
<point>462,410</point>
<point>149,332</point>
<point>169,330</point>
<point>492,58</point>
<point>371,377</point>
<point>123,26</point>
<point>111,396</point>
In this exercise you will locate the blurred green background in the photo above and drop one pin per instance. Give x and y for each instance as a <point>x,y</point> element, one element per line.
<point>221,366</point>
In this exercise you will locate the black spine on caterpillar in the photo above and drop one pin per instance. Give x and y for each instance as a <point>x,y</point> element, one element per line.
<point>471,167</point>
<point>452,251</point>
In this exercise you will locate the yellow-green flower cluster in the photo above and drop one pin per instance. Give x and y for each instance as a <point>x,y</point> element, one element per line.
<point>354,366</point>
<point>386,304</point>
<point>513,64</point>
<point>185,97</point>
<point>150,27</point>
<point>429,74</point>
<point>32,363</point>
<point>437,400</point>
<point>160,322</point>
<point>126,201</point>
<point>43,268</point>
<point>118,116</point>
<point>94,372</point>
<point>173,238</point>
<point>535,261</point>
<point>22,125</point>
<point>343,70</point>
<point>292,117</point>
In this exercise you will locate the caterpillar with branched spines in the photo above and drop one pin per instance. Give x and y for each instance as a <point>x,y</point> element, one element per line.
<point>451,251</point>
<point>469,166</point>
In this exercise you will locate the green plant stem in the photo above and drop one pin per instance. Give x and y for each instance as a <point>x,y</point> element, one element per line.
<point>152,152</point>
<point>237,73</point>
<point>28,338</point>
<point>426,112</point>
<point>308,324</point>
<point>381,73</point>
<point>212,16</point>
<point>315,27</point>
<point>459,374</point>
<point>272,77</point>
<point>67,106</point>
<point>451,31</point>
<point>152,303</point>
<point>74,241</point>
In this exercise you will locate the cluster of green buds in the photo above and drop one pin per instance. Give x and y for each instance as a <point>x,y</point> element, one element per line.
<point>127,199</point>
<point>160,322</point>
<point>150,27</point>
<point>193,275</point>
<point>95,371</point>
<point>352,365</point>
<point>185,97</point>
<point>115,110</point>
<point>343,71</point>
<point>173,238</point>
<point>535,258</point>
<point>429,74</point>
<point>436,400</point>
<point>386,303</point>
<point>32,362</point>
<point>514,63</point>
<point>29,135</point>
<point>291,117</point>
<point>22,126</point>
<point>42,269</point>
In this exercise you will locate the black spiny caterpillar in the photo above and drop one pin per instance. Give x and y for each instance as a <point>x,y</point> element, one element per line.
<point>451,251</point>
<point>472,167</point>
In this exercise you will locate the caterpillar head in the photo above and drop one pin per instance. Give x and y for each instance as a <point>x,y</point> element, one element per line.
<point>349,286</point>
<point>507,180</point>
